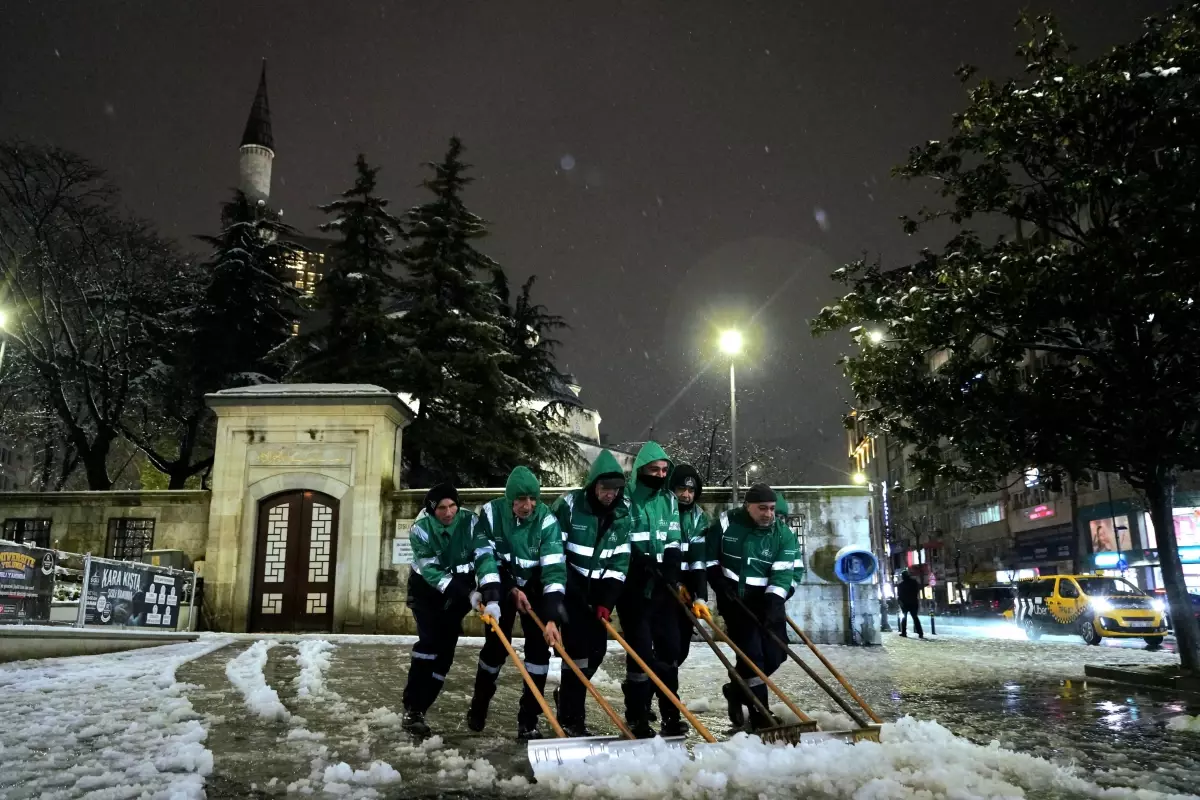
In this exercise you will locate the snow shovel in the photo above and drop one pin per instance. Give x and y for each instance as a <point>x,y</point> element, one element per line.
<point>865,731</point>
<point>495,624</point>
<point>565,749</point>
<point>845,683</point>
<point>790,733</point>
<point>662,687</point>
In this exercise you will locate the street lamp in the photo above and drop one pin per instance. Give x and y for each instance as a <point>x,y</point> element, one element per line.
<point>860,478</point>
<point>751,468</point>
<point>3,338</point>
<point>875,336</point>
<point>731,345</point>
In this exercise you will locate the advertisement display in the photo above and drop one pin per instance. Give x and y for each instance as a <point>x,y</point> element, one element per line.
<point>136,595</point>
<point>26,583</point>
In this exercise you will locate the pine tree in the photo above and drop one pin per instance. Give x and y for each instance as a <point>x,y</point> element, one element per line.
<point>473,419</point>
<point>250,306</point>
<point>356,344</point>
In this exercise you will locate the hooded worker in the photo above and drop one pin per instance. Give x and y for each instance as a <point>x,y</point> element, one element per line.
<point>685,484</point>
<point>595,521</point>
<point>453,572</point>
<point>649,615</point>
<point>750,560</point>
<point>528,545</point>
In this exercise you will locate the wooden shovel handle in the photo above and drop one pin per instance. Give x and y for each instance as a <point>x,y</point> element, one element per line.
<point>762,676</point>
<point>662,687</point>
<point>845,683</point>
<point>558,731</point>
<point>608,709</point>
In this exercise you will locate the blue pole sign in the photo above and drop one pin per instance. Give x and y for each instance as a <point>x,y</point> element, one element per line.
<point>854,565</point>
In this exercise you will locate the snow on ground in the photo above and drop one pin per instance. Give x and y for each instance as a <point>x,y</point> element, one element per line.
<point>246,673</point>
<point>314,662</point>
<point>914,759</point>
<point>108,726</point>
<point>1184,723</point>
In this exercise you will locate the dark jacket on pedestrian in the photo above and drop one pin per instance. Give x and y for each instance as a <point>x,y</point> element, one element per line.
<point>908,593</point>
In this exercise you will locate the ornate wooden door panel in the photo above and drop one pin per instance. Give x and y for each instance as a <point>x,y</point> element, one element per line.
<point>295,563</point>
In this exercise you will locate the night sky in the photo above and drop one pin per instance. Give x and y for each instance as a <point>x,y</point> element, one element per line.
<point>665,168</point>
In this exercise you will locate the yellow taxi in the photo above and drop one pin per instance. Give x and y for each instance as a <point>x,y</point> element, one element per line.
<point>1095,607</point>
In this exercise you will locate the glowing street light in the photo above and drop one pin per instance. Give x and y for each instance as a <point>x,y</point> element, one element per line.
<point>731,342</point>
<point>875,336</point>
<point>731,345</point>
<point>860,478</point>
<point>3,338</point>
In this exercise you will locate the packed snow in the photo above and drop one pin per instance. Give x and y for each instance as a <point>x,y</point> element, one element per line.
<point>108,726</point>
<point>1184,723</point>
<point>914,759</point>
<point>246,673</point>
<point>314,663</point>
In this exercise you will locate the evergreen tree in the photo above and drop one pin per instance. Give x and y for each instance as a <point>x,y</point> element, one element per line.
<point>356,343</point>
<point>474,422</point>
<point>250,305</point>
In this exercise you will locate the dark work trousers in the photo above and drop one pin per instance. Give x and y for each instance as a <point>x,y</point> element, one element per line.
<point>686,629</point>
<point>438,628</point>
<point>905,611</point>
<point>493,656</point>
<point>651,627</point>
<point>586,641</point>
<point>744,629</point>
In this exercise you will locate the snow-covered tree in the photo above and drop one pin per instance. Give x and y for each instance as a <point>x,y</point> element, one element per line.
<point>1095,168</point>
<point>250,307</point>
<point>474,421</point>
<point>86,290</point>
<point>703,441</point>
<point>355,342</point>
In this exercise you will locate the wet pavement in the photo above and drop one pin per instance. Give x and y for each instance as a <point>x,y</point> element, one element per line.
<point>1030,697</point>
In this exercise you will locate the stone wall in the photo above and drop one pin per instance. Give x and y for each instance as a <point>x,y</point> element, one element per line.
<point>79,520</point>
<point>827,517</point>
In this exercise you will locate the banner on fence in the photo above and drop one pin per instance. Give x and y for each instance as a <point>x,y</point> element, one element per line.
<point>26,583</point>
<point>138,595</point>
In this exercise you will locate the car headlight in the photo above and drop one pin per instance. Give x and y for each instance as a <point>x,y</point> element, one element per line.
<point>1101,604</point>
<point>1158,605</point>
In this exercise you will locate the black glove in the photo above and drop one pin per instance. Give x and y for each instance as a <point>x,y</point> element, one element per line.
<point>553,608</point>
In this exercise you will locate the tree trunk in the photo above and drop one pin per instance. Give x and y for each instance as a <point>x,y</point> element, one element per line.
<point>95,464</point>
<point>1083,546</point>
<point>1161,496</point>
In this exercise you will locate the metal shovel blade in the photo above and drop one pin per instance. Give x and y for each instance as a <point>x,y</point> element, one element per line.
<point>559,751</point>
<point>795,734</point>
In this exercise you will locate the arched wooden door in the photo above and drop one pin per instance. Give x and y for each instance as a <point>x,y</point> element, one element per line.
<point>295,559</point>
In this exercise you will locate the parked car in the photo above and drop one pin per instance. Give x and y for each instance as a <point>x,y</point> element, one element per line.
<point>1161,594</point>
<point>988,601</point>
<point>1093,606</point>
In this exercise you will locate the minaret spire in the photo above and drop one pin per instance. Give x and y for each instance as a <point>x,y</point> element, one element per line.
<point>257,151</point>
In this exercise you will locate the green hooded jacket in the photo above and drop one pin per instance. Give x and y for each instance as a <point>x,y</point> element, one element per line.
<point>656,526</point>
<point>530,548</point>
<point>597,563</point>
<point>441,551</point>
<point>782,510</point>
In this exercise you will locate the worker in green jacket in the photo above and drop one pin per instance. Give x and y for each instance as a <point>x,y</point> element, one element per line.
<point>649,616</point>
<point>782,513</point>
<point>595,521</point>
<point>693,521</point>
<point>751,558</point>
<point>528,545</point>
<point>453,571</point>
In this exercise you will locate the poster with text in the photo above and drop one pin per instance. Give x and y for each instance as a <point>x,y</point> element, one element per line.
<point>26,583</point>
<point>136,595</point>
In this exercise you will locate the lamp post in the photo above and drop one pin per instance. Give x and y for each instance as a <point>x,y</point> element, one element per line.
<point>3,337</point>
<point>751,468</point>
<point>731,345</point>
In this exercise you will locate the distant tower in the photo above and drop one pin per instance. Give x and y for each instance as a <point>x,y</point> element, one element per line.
<point>257,150</point>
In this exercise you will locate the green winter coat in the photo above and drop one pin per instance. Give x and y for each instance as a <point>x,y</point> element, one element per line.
<point>596,564</point>
<point>750,556</point>
<point>530,548</point>
<point>692,525</point>
<point>442,551</point>
<point>782,510</point>
<point>655,511</point>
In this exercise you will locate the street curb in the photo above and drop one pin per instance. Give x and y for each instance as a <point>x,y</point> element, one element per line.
<point>1147,678</point>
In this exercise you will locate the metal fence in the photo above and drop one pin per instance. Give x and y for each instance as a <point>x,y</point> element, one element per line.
<point>110,593</point>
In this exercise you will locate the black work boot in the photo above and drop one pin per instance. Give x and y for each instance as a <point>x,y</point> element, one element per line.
<point>527,729</point>
<point>637,703</point>
<point>414,723</point>
<point>673,725</point>
<point>733,697</point>
<point>485,689</point>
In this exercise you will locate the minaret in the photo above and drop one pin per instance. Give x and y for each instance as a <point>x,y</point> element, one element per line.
<point>256,153</point>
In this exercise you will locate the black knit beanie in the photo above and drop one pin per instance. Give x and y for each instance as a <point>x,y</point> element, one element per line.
<point>439,493</point>
<point>760,493</point>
